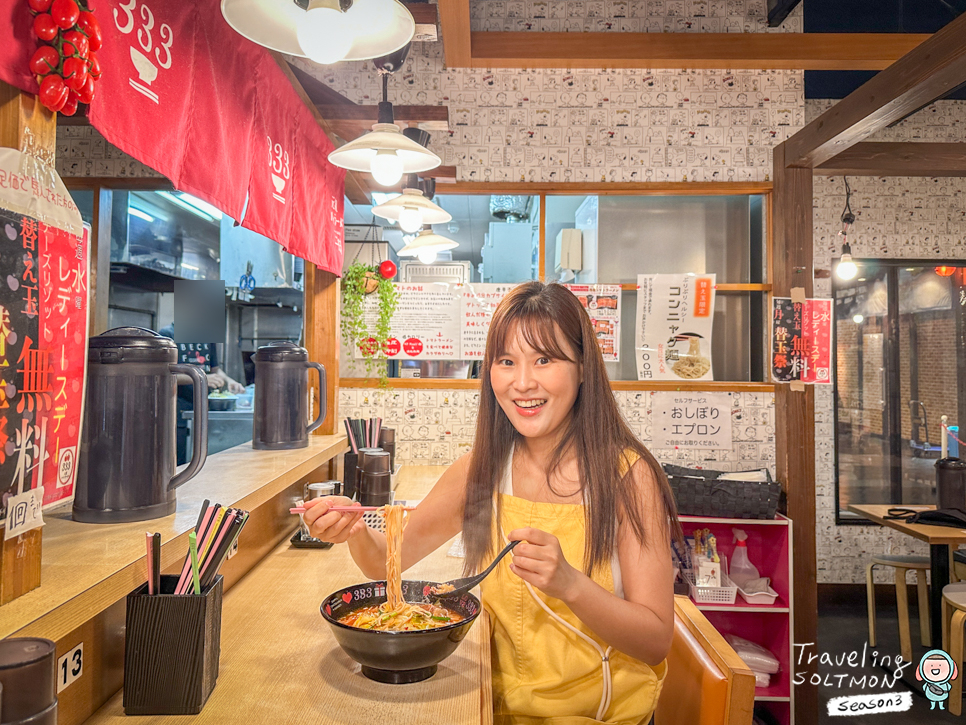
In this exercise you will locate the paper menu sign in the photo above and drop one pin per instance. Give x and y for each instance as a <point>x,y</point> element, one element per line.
<point>675,314</point>
<point>691,420</point>
<point>801,341</point>
<point>603,305</point>
<point>23,513</point>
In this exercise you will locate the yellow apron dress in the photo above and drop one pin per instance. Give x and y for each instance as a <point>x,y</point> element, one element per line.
<point>547,665</point>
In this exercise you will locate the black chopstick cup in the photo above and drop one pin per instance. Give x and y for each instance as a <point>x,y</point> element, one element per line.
<point>171,649</point>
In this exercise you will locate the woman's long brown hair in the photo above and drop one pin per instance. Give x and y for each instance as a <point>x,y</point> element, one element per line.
<point>554,323</point>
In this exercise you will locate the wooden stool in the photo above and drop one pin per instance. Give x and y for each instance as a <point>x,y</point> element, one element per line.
<point>954,619</point>
<point>902,564</point>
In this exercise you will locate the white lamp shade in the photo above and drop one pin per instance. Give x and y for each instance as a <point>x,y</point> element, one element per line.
<point>426,241</point>
<point>412,198</point>
<point>273,23</point>
<point>357,155</point>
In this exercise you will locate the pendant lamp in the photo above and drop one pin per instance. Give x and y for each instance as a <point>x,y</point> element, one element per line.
<point>324,31</point>
<point>426,245</point>
<point>412,210</point>
<point>385,151</point>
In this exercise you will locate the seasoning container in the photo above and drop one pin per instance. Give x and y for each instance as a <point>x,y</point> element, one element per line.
<point>360,462</point>
<point>375,488</point>
<point>387,441</point>
<point>318,490</point>
<point>28,676</point>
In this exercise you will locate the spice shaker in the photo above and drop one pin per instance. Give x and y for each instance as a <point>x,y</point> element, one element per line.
<point>360,462</point>
<point>375,488</point>
<point>387,441</point>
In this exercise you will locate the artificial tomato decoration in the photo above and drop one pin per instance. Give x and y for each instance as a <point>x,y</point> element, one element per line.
<point>39,6</point>
<point>44,60</point>
<point>53,92</point>
<point>64,13</point>
<point>91,28</point>
<point>70,106</point>
<point>75,73</point>
<point>75,43</point>
<point>387,269</point>
<point>94,65</point>
<point>44,27</point>
<point>86,93</point>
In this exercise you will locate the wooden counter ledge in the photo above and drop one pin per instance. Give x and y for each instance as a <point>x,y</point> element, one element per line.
<point>281,664</point>
<point>86,568</point>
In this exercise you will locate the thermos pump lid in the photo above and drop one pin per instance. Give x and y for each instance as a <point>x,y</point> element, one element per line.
<point>376,462</point>
<point>132,344</point>
<point>281,351</point>
<point>387,435</point>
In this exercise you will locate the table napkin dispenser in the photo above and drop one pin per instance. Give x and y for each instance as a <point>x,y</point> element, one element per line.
<point>126,468</point>
<point>281,397</point>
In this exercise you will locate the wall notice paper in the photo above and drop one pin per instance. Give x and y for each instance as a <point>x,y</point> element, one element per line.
<point>674,318</point>
<point>691,420</point>
<point>801,341</point>
<point>43,344</point>
<point>603,304</point>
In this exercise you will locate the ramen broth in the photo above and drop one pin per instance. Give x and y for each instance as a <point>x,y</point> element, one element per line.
<point>415,617</point>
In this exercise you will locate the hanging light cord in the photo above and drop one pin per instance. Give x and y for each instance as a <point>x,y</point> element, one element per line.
<point>848,218</point>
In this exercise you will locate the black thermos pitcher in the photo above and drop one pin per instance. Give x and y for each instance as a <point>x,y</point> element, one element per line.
<point>281,397</point>
<point>127,462</point>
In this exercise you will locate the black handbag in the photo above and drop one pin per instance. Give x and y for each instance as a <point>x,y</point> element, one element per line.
<point>956,518</point>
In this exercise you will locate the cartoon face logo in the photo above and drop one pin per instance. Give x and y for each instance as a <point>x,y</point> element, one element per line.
<point>936,670</point>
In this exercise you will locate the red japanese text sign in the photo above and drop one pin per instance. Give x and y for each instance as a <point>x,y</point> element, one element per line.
<point>801,341</point>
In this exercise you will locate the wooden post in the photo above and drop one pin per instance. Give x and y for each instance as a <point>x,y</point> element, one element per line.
<point>795,411</point>
<point>22,115</point>
<point>321,322</point>
<point>100,260</point>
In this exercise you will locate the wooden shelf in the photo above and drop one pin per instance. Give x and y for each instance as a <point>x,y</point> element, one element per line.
<point>720,288</point>
<point>710,386</point>
<point>780,607</point>
<point>779,520</point>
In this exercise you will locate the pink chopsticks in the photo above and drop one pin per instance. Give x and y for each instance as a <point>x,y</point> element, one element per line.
<point>346,509</point>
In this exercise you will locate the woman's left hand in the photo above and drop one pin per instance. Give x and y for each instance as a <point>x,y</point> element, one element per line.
<point>540,561</point>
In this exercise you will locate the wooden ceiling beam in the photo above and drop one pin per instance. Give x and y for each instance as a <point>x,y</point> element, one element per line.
<point>423,13</point>
<point>898,159</point>
<point>454,26</point>
<point>927,72</point>
<point>350,122</point>
<point>808,51</point>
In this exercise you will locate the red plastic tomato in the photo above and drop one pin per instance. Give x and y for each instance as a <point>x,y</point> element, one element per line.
<point>44,27</point>
<point>53,92</point>
<point>94,65</point>
<point>86,93</point>
<point>91,28</point>
<point>387,269</point>
<point>70,106</point>
<point>45,59</point>
<point>75,73</point>
<point>64,13</point>
<point>39,6</point>
<point>75,43</point>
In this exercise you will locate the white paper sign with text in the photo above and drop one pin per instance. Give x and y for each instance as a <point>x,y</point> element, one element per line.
<point>691,420</point>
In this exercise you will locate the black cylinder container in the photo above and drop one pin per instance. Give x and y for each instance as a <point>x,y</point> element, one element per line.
<point>126,467</point>
<point>281,397</point>
<point>375,487</point>
<point>951,484</point>
<point>360,462</point>
<point>387,441</point>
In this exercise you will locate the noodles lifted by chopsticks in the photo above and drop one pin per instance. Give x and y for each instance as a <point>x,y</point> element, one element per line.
<point>396,613</point>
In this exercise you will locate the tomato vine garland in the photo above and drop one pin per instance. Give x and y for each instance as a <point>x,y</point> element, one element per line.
<point>66,62</point>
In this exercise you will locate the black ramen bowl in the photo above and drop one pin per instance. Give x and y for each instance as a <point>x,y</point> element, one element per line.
<point>398,657</point>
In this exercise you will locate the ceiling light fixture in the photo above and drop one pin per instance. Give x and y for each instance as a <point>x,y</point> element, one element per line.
<point>846,269</point>
<point>426,245</point>
<point>134,211</point>
<point>200,205</point>
<point>385,152</point>
<point>177,201</point>
<point>412,210</point>
<point>324,31</point>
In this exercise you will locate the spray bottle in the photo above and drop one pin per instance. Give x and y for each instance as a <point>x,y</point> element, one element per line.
<point>742,570</point>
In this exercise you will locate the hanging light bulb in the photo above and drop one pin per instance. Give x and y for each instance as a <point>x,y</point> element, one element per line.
<point>846,268</point>
<point>858,318</point>
<point>410,219</point>
<point>412,210</point>
<point>325,33</point>
<point>386,167</point>
<point>426,256</point>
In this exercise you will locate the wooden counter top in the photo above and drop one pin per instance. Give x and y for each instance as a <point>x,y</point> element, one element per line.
<point>87,567</point>
<point>281,664</point>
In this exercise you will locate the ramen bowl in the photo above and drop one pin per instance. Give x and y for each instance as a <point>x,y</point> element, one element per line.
<point>398,657</point>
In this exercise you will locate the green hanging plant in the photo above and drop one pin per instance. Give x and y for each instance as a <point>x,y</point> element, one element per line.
<point>359,281</point>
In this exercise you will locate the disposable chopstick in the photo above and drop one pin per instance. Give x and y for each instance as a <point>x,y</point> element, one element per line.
<point>346,509</point>
<point>212,552</point>
<point>156,562</point>
<point>206,519</point>
<point>210,531</point>
<point>352,438</point>
<point>149,558</point>
<point>193,551</point>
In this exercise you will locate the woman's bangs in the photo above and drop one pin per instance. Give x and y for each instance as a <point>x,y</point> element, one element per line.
<point>541,333</point>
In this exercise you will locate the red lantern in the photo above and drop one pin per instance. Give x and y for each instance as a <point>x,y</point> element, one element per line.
<point>387,269</point>
<point>945,271</point>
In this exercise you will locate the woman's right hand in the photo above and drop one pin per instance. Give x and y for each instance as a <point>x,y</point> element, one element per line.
<point>333,526</point>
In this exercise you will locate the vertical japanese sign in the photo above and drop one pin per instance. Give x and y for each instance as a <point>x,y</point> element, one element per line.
<point>691,420</point>
<point>478,302</point>
<point>675,313</point>
<point>43,343</point>
<point>801,341</point>
<point>603,304</point>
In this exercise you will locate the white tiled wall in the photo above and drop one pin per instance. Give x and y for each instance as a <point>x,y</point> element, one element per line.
<point>437,426</point>
<point>896,217</point>
<point>82,151</point>
<point>591,125</point>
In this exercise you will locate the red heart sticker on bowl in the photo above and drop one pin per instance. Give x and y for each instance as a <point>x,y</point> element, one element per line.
<point>328,609</point>
<point>347,597</point>
<point>427,590</point>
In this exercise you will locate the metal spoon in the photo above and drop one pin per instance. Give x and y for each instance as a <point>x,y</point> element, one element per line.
<point>461,586</point>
